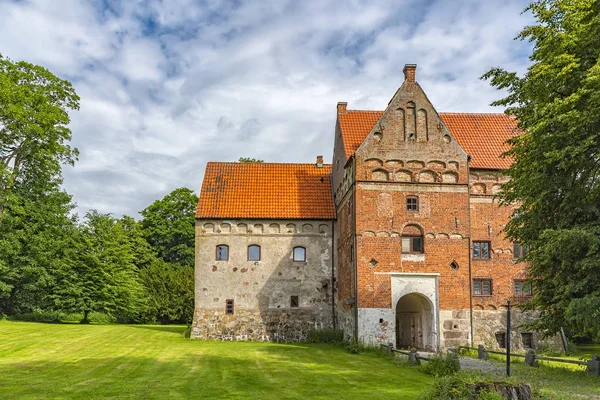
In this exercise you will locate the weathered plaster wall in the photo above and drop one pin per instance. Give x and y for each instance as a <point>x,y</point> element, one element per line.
<point>261,290</point>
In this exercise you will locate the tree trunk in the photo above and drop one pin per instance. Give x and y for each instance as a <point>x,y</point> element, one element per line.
<point>85,319</point>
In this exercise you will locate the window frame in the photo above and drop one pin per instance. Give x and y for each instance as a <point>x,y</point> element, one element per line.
<point>412,247</point>
<point>479,243</point>
<point>294,253</point>
<point>229,307</point>
<point>529,341</point>
<point>294,301</point>
<point>416,205</point>
<point>217,252</point>
<point>259,252</point>
<point>481,280</point>
<point>522,251</point>
<point>523,282</point>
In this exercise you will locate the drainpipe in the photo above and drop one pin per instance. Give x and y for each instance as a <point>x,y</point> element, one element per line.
<point>333,250</point>
<point>469,251</point>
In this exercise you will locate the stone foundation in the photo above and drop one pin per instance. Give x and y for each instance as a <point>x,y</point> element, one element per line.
<point>276,325</point>
<point>487,323</point>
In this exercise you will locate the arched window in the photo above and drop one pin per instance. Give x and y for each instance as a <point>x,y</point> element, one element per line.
<point>299,254</point>
<point>253,252</point>
<point>222,252</point>
<point>412,240</point>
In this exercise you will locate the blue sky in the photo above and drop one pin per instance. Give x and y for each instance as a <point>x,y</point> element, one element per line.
<point>166,86</point>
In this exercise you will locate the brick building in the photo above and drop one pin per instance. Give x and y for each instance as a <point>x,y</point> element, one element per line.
<point>398,240</point>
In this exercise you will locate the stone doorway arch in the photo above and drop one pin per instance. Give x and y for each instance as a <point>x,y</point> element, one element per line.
<point>414,322</point>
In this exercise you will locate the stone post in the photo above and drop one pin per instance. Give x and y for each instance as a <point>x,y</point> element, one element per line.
<point>413,357</point>
<point>530,359</point>
<point>482,354</point>
<point>390,347</point>
<point>593,366</point>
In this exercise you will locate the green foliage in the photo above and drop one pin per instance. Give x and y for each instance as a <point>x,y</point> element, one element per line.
<point>168,226</point>
<point>249,160</point>
<point>61,317</point>
<point>34,135</point>
<point>188,332</point>
<point>440,365</point>
<point>325,336</point>
<point>554,178</point>
<point>101,276</point>
<point>353,346</point>
<point>170,291</point>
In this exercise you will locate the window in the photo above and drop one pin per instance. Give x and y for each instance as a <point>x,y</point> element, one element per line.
<point>482,287</point>
<point>519,251</point>
<point>527,339</point>
<point>501,339</point>
<point>222,252</point>
<point>481,250</point>
<point>412,240</point>
<point>412,203</point>
<point>294,302</point>
<point>299,254</point>
<point>523,288</point>
<point>229,306</point>
<point>253,253</point>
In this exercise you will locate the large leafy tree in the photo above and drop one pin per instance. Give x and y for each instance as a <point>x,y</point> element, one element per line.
<point>168,225</point>
<point>35,226</point>
<point>556,174</point>
<point>34,136</point>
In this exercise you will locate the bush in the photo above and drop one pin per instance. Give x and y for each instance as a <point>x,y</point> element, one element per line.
<point>188,332</point>
<point>55,317</point>
<point>325,336</point>
<point>465,386</point>
<point>440,365</point>
<point>353,346</point>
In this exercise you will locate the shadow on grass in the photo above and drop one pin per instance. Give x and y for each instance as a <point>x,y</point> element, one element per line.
<point>240,376</point>
<point>179,329</point>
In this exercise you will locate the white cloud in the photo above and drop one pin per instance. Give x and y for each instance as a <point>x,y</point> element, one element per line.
<point>167,86</point>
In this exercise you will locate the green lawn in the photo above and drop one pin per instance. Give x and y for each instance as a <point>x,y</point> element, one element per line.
<point>126,361</point>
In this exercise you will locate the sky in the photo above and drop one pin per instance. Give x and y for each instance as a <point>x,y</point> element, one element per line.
<point>167,86</point>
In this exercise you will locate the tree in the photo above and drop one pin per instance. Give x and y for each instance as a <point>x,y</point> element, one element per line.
<point>249,160</point>
<point>168,225</point>
<point>102,277</point>
<point>556,172</point>
<point>34,135</point>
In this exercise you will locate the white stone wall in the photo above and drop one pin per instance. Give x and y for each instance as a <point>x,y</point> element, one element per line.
<point>261,290</point>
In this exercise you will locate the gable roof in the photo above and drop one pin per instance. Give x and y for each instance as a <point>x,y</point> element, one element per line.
<point>266,190</point>
<point>482,135</point>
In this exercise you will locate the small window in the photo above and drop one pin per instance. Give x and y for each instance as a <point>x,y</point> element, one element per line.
<point>253,253</point>
<point>481,250</point>
<point>527,339</point>
<point>294,302</point>
<point>412,203</point>
<point>222,252</point>
<point>501,339</point>
<point>412,244</point>
<point>299,254</point>
<point>519,251</point>
<point>412,240</point>
<point>229,306</point>
<point>523,288</point>
<point>482,287</point>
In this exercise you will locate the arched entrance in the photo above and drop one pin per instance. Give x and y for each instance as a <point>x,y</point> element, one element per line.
<point>414,322</point>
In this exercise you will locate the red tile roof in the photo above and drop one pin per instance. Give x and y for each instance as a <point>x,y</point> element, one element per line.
<point>482,135</point>
<point>266,190</point>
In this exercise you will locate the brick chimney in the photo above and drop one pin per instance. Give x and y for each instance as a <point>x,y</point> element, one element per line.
<point>341,107</point>
<point>319,161</point>
<point>409,73</point>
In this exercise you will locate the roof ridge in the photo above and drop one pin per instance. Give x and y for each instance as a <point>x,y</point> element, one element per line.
<point>261,163</point>
<point>441,112</point>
